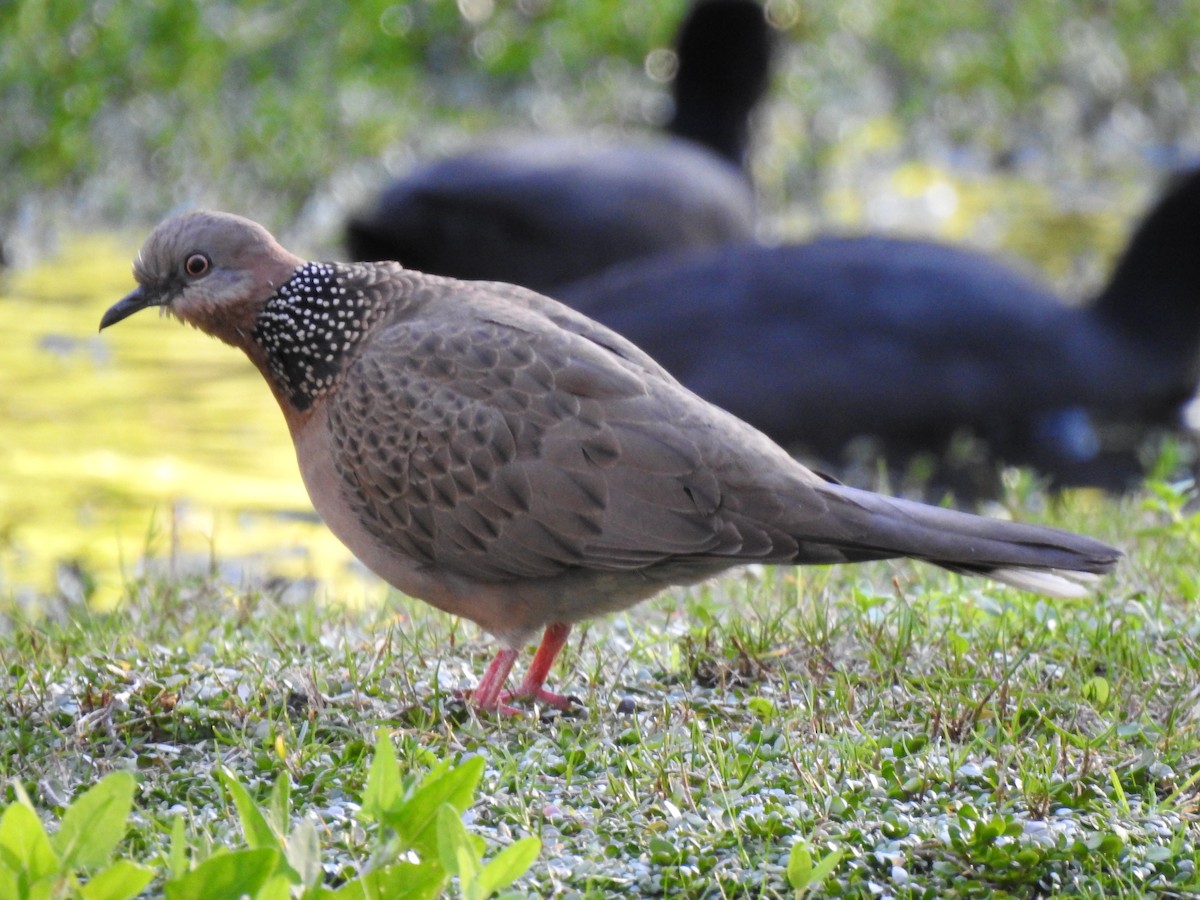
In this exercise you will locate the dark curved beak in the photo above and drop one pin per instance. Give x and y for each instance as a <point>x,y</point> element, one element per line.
<point>127,306</point>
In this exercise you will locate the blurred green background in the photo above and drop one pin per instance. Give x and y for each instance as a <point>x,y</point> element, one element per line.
<point>1031,129</point>
<point>117,112</point>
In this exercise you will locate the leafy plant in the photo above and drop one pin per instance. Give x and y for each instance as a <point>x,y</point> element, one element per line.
<point>422,845</point>
<point>37,866</point>
<point>426,819</point>
<point>806,873</point>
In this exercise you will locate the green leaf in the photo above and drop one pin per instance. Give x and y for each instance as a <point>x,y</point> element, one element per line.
<point>799,867</point>
<point>1097,690</point>
<point>225,875</point>
<point>255,827</point>
<point>122,880</point>
<point>94,824</point>
<point>24,847</point>
<point>177,855</point>
<point>508,865</point>
<point>416,820</point>
<point>825,867</point>
<point>457,786</point>
<point>280,804</point>
<point>278,887</point>
<point>451,838</point>
<point>383,791</point>
<point>763,708</point>
<point>468,874</point>
<point>44,889</point>
<point>399,881</point>
<point>802,874</point>
<point>663,851</point>
<point>9,885</point>
<point>303,851</point>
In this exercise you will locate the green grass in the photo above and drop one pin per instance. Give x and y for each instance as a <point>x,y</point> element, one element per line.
<point>946,735</point>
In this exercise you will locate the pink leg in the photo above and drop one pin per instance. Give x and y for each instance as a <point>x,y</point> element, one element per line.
<point>553,640</point>
<point>490,694</point>
<point>487,694</point>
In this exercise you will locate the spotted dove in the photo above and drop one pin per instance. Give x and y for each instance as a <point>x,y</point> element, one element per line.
<point>504,458</point>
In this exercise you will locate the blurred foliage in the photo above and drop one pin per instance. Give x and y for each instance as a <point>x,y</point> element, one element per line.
<point>987,70</point>
<point>281,94</point>
<point>127,108</point>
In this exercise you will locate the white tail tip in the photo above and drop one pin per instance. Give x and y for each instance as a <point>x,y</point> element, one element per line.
<point>1051,582</point>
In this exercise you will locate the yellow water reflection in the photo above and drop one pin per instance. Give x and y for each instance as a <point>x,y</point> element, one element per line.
<point>149,440</point>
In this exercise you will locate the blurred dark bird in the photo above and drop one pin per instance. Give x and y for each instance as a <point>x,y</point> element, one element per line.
<point>550,210</point>
<point>911,342</point>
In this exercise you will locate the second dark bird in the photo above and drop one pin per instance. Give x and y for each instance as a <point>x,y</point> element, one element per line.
<point>911,342</point>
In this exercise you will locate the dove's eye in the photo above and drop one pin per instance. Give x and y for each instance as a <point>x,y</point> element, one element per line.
<point>197,264</point>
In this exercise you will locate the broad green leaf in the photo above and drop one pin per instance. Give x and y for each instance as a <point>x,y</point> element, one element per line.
<point>257,830</point>
<point>468,874</point>
<point>94,824</point>
<point>457,787</point>
<point>799,867</point>
<point>399,881</point>
<point>43,889</point>
<point>278,887</point>
<point>9,886</point>
<point>825,867</point>
<point>351,890</point>
<point>451,839</point>
<point>225,875</point>
<point>1097,690</point>
<point>303,851</point>
<point>383,790</point>
<point>123,880</point>
<point>416,820</point>
<point>762,707</point>
<point>24,847</point>
<point>508,865</point>
<point>177,856</point>
<point>255,827</point>
<point>280,804</point>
